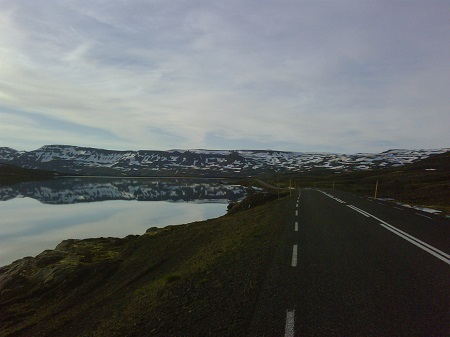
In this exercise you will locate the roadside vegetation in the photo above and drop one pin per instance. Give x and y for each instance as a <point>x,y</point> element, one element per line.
<point>195,279</point>
<point>424,183</point>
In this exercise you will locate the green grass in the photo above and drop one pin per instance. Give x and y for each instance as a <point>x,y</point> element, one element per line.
<point>172,277</point>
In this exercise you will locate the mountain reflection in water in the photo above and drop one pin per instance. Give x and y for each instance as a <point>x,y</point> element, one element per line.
<point>76,190</point>
<point>38,215</point>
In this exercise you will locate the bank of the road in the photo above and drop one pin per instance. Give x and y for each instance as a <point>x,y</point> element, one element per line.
<point>196,279</point>
<point>314,264</point>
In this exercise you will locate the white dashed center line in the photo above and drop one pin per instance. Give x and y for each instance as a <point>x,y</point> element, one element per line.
<point>289,328</point>
<point>294,256</point>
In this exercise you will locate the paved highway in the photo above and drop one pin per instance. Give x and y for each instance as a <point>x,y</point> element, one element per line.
<point>355,266</point>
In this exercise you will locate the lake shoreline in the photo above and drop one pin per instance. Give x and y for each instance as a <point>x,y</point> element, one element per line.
<point>183,269</point>
<point>39,215</point>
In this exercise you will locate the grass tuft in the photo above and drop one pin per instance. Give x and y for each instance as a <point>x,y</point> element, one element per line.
<point>172,278</point>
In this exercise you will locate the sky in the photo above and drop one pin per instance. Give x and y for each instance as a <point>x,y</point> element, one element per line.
<point>341,76</point>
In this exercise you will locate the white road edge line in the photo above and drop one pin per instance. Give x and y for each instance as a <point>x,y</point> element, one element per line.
<point>424,216</point>
<point>416,243</point>
<point>289,328</point>
<point>332,197</point>
<point>419,241</point>
<point>296,226</point>
<point>413,238</point>
<point>425,246</point>
<point>359,210</point>
<point>294,256</point>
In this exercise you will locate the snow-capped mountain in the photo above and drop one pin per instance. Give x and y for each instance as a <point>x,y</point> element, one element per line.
<point>78,190</point>
<point>208,163</point>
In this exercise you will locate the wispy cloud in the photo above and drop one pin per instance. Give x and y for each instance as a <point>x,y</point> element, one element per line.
<point>296,75</point>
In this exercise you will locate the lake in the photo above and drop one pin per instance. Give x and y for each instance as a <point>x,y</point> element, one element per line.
<point>35,216</point>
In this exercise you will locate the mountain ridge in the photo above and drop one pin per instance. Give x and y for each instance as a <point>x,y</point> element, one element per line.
<point>69,159</point>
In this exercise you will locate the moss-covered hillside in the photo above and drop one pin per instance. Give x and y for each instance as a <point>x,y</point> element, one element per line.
<point>196,279</point>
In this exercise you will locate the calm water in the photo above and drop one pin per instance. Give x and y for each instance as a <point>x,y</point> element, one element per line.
<point>37,216</point>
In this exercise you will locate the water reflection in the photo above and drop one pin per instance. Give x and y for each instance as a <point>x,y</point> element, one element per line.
<point>76,190</point>
<point>37,216</point>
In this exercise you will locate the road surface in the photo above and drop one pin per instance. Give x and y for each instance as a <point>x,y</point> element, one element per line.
<point>355,266</point>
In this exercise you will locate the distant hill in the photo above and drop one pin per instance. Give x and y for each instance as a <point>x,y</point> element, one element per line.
<point>12,174</point>
<point>424,182</point>
<point>201,163</point>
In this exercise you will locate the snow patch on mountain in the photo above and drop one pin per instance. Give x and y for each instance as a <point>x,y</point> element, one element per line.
<point>81,160</point>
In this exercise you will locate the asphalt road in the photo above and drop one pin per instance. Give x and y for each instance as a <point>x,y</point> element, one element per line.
<point>353,266</point>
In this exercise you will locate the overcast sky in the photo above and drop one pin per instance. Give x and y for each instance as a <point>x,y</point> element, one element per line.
<point>302,75</point>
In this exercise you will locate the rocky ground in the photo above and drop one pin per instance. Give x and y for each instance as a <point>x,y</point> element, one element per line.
<point>189,280</point>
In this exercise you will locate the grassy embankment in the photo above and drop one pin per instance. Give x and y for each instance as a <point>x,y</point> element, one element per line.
<point>195,279</point>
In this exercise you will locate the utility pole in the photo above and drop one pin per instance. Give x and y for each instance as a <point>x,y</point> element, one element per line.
<point>376,189</point>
